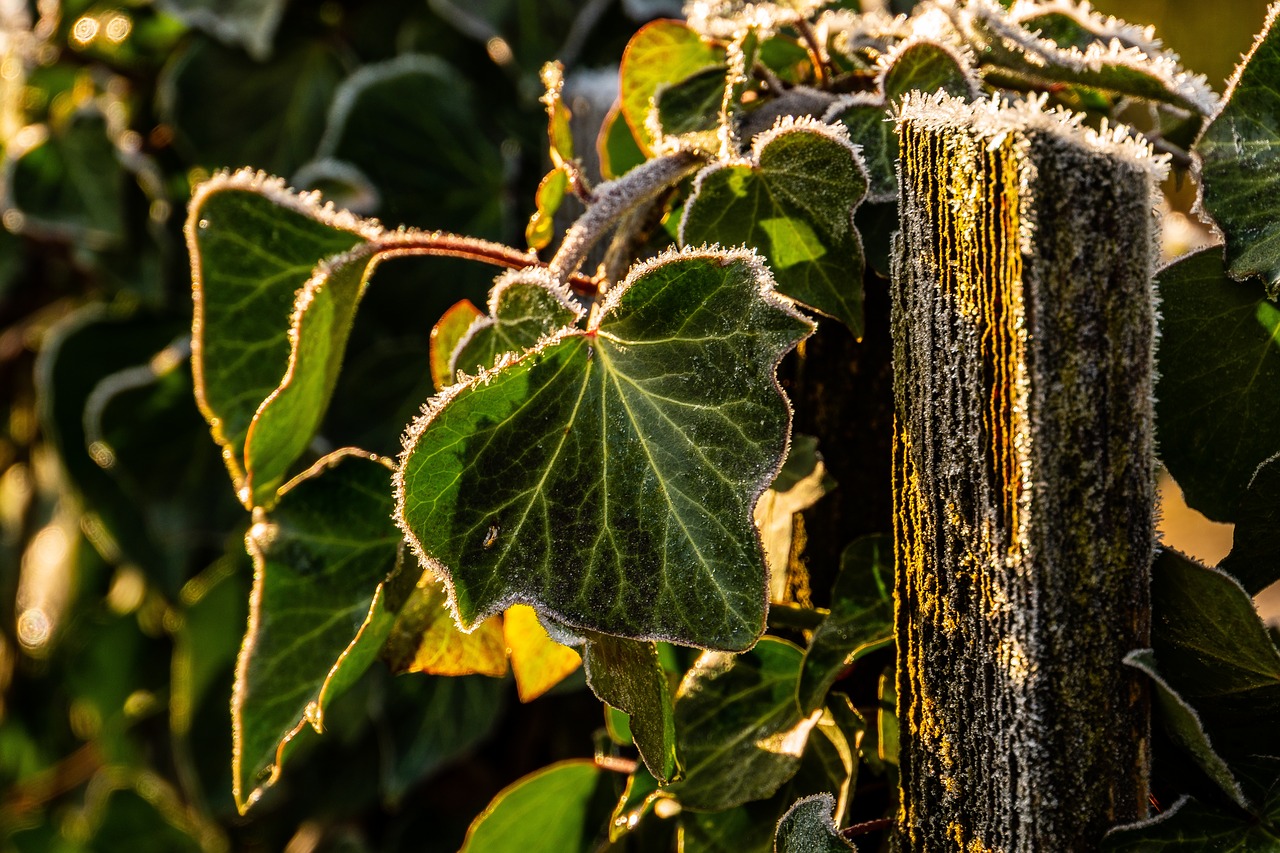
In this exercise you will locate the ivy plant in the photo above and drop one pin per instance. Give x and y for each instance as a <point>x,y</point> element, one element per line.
<point>655,464</point>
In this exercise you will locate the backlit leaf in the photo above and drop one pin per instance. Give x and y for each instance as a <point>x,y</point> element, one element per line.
<point>660,54</point>
<point>319,611</point>
<point>794,201</point>
<point>692,105</point>
<point>549,811</point>
<point>1215,652</point>
<point>807,827</point>
<point>616,146</point>
<point>861,618</point>
<point>925,66</point>
<point>1219,365</point>
<point>607,478</point>
<point>537,661</point>
<point>446,334</point>
<point>253,248</point>
<point>541,228</point>
<point>740,734</point>
<point>1239,155</point>
<point>524,306</point>
<point>1255,551</point>
<point>802,481</point>
<point>870,125</point>
<point>425,639</point>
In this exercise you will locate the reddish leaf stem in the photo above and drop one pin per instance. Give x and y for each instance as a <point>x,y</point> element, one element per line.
<point>445,245</point>
<point>867,827</point>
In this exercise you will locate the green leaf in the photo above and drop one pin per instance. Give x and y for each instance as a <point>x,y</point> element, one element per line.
<point>808,827</point>
<point>692,105</point>
<point>227,113</point>
<point>250,24</point>
<point>637,800</point>
<point>794,201</point>
<point>927,66</point>
<point>1183,725</point>
<point>616,146</point>
<point>628,676</point>
<point>1239,154</point>
<point>1215,652</point>
<point>861,619</point>
<point>524,307</point>
<point>740,733</point>
<point>1190,827</point>
<point>71,186</point>
<point>412,126</point>
<point>1255,552</point>
<point>319,610</point>
<point>550,811</point>
<point>254,247</point>
<point>659,54</point>
<point>446,334</point>
<point>738,830</point>
<point>607,478</point>
<point>1219,363</point>
<point>871,126</point>
<point>433,721</point>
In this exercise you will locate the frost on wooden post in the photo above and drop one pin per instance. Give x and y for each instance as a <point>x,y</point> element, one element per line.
<point>1023,474</point>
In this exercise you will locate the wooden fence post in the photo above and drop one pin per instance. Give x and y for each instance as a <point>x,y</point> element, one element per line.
<point>1024,476</point>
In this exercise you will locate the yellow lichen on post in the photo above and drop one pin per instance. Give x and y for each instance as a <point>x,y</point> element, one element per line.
<point>1023,323</point>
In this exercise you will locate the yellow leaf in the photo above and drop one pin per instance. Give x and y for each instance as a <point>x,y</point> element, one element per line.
<point>426,639</point>
<point>538,662</point>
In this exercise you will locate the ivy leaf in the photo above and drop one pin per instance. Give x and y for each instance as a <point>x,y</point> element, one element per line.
<point>927,66</point>
<point>659,54</point>
<point>524,307</point>
<point>860,622</point>
<point>808,827</point>
<point>794,199</point>
<point>549,811</point>
<point>253,248</point>
<point>537,661</point>
<point>426,640</point>
<point>432,721</point>
<point>617,148</point>
<point>328,547</point>
<point>740,733</point>
<point>250,24</point>
<point>386,115</point>
<point>1215,652</point>
<point>446,334</point>
<point>607,477</point>
<point>1191,827</point>
<point>1183,725</point>
<point>1255,552</point>
<point>227,113</point>
<point>71,186</point>
<point>628,676</point>
<point>692,105</point>
<point>1239,152</point>
<point>547,200</point>
<point>1219,364</point>
<point>871,126</point>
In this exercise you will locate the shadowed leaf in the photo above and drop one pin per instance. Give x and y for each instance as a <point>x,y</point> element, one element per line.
<point>628,676</point>
<point>1191,827</point>
<point>740,734</point>
<point>1219,367</point>
<point>524,306</point>
<point>319,610</point>
<point>425,639</point>
<point>250,24</point>
<point>860,622</point>
<point>1255,551</point>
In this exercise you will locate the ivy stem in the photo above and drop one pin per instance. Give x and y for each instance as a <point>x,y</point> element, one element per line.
<point>442,244</point>
<point>612,200</point>
<point>867,827</point>
<point>795,618</point>
<point>815,48</point>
